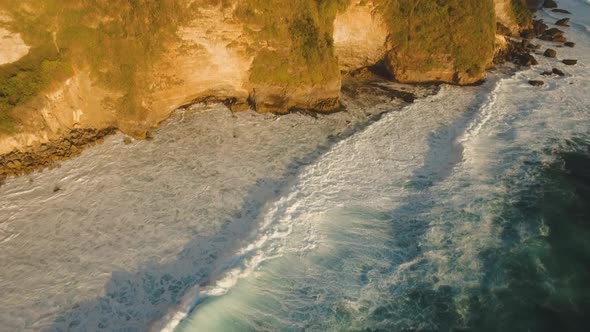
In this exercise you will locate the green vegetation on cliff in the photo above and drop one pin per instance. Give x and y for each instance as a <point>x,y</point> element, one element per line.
<point>298,39</point>
<point>520,12</point>
<point>22,81</point>
<point>429,34</point>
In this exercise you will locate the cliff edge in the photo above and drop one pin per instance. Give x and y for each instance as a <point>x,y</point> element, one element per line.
<point>93,66</point>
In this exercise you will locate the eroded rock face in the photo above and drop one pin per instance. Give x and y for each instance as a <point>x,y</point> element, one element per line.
<point>208,62</point>
<point>505,17</point>
<point>360,36</point>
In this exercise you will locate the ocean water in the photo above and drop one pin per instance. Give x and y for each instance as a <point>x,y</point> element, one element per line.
<point>466,211</point>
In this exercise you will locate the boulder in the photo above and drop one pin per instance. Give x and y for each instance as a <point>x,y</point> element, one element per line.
<point>550,53</point>
<point>570,62</point>
<point>553,34</point>
<point>525,60</point>
<point>528,34</point>
<point>532,46</point>
<point>549,4</point>
<point>536,83</point>
<point>569,44</point>
<point>564,22</point>
<point>547,73</point>
<point>562,11</point>
<point>539,27</point>
<point>558,72</point>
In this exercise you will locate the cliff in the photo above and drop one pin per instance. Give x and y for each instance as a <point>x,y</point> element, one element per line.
<point>71,65</point>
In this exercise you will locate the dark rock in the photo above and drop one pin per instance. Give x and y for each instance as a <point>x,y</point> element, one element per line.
<point>569,44</point>
<point>549,4</point>
<point>526,60</point>
<point>503,30</point>
<point>48,154</point>
<point>563,11</point>
<point>515,52</point>
<point>528,34</point>
<point>547,73</point>
<point>536,83</point>
<point>550,53</point>
<point>553,34</point>
<point>149,136</point>
<point>534,46</point>
<point>553,31</point>
<point>539,27</point>
<point>570,62</point>
<point>564,22</point>
<point>560,39</point>
<point>558,72</point>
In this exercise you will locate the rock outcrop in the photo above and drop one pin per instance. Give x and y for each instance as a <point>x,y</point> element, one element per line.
<point>360,36</point>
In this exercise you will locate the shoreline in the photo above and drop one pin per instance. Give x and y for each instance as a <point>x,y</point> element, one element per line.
<point>49,155</point>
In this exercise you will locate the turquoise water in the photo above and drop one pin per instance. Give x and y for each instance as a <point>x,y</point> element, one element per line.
<point>483,226</point>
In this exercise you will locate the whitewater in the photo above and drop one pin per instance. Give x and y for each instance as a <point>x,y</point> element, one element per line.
<point>430,217</point>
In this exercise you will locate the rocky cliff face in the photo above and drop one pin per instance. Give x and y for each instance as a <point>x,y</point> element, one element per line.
<point>360,36</point>
<point>72,64</point>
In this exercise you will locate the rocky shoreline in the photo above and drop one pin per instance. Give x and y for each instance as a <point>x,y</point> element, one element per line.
<point>366,81</point>
<point>48,155</point>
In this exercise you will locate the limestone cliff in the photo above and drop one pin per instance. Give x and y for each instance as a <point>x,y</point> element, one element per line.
<point>360,36</point>
<point>74,64</point>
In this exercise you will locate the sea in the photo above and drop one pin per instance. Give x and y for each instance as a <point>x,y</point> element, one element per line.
<point>468,210</point>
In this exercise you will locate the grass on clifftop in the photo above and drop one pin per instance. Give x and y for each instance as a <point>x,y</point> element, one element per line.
<point>428,34</point>
<point>298,37</point>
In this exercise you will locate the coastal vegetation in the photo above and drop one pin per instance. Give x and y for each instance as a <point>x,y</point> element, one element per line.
<point>298,35</point>
<point>432,34</point>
